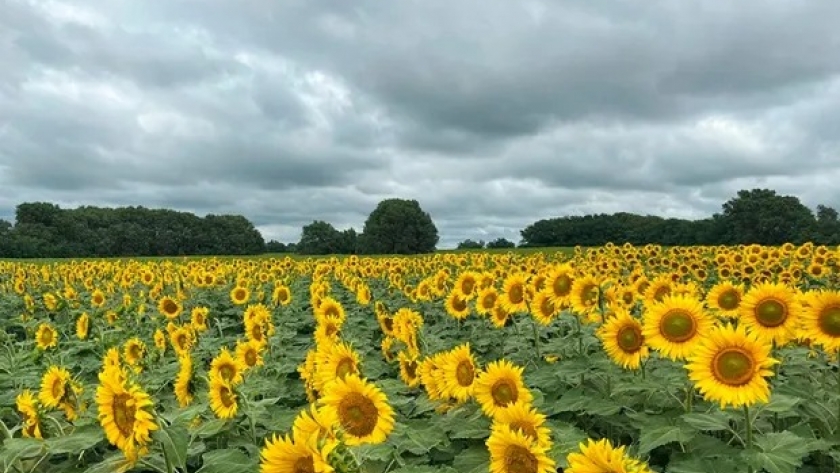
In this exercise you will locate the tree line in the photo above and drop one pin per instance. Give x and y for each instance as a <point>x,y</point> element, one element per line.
<point>395,226</point>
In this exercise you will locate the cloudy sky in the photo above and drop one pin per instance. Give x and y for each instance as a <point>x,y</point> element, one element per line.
<point>492,114</point>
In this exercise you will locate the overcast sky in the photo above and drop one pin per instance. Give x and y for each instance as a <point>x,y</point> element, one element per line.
<point>492,114</point>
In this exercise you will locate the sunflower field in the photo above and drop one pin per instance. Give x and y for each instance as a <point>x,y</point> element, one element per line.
<point>617,359</point>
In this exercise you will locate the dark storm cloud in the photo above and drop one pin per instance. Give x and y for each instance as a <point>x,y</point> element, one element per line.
<point>491,114</point>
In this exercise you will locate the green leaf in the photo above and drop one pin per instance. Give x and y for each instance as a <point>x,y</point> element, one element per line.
<point>658,436</point>
<point>780,403</point>
<point>713,421</point>
<point>227,460</point>
<point>82,439</point>
<point>19,449</point>
<point>420,437</point>
<point>174,440</point>
<point>210,428</point>
<point>778,452</point>
<point>110,464</point>
<point>475,459</point>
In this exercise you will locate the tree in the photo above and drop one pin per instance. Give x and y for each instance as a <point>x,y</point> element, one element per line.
<point>320,238</point>
<point>398,226</point>
<point>274,246</point>
<point>828,226</point>
<point>761,216</point>
<point>471,245</point>
<point>501,243</point>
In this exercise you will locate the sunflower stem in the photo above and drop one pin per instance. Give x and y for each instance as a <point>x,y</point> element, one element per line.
<point>749,432</point>
<point>536,338</point>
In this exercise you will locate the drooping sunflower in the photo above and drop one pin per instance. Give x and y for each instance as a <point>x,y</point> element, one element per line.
<point>198,318</point>
<point>295,455</point>
<point>46,337</point>
<point>499,316</point>
<point>543,308</point>
<point>500,385</point>
<point>133,351</point>
<point>361,408</point>
<point>55,384</point>
<point>82,326</point>
<point>169,307</point>
<point>281,295</point>
<point>512,451</point>
<point>409,366</point>
<point>227,367</point>
<point>160,340</point>
<point>27,407</point>
<point>459,373</point>
<point>223,398</point>
<point>675,326</point>
<point>184,384</point>
<point>601,457</point>
<point>725,298</point>
<point>125,413</point>
<point>430,373</point>
<point>730,366</point>
<point>522,417</point>
<point>772,311</point>
<point>623,339</point>
<point>330,308</point>
<point>181,339</point>
<point>97,299</point>
<point>514,295</point>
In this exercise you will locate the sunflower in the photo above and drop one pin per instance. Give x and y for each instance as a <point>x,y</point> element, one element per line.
<point>499,386</point>
<point>226,367</point>
<point>170,307</point>
<point>223,398</point>
<point>82,326</point>
<point>125,413</point>
<point>514,296</point>
<point>198,318</point>
<point>160,340</point>
<point>602,457</point>
<point>133,351</point>
<point>457,306</point>
<point>46,337</point>
<point>295,455</point>
<point>675,326</point>
<point>409,369</point>
<point>27,407</point>
<point>330,308</point>
<point>523,418</point>
<point>623,340</point>
<point>240,295</point>
<point>543,308</point>
<point>559,284</point>
<point>584,295</point>
<point>363,295</point>
<point>730,365</point>
<point>499,316</point>
<point>772,311</point>
<point>97,299</point>
<point>184,385</point>
<point>486,300</point>
<point>335,362</point>
<point>725,298</point>
<point>466,284</point>
<point>821,319</point>
<point>315,422</point>
<point>281,295</point>
<point>512,451</point>
<point>361,408</point>
<point>459,373</point>
<point>181,339</point>
<point>55,385</point>
<point>249,354</point>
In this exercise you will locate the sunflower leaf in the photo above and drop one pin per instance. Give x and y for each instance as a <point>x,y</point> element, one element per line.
<point>658,436</point>
<point>778,452</point>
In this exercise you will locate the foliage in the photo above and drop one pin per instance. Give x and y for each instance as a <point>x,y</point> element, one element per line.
<point>499,243</point>
<point>398,226</point>
<point>321,238</point>
<point>45,230</point>
<point>471,245</point>
<point>758,216</point>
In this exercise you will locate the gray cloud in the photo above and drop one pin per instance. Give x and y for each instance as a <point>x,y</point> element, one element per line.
<point>492,115</point>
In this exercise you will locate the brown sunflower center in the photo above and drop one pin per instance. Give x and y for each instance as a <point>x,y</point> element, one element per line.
<point>459,304</point>
<point>226,396</point>
<point>330,329</point>
<point>170,307</point>
<point>771,312</point>
<point>467,285</point>
<point>411,369</point>
<point>304,465</point>
<point>332,311</point>
<point>589,294</point>
<point>525,427</point>
<point>388,322</point>
<point>547,308</point>
<point>504,392</point>
<point>123,409</point>
<point>519,459</point>
<point>661,292</point>
<point>46,336</point>
<point>489,300</point>
<point>729,300</point>
<point>678,326</point>
<point>134,351</point>
<point>344,367</point>
<point>733,366</point>
<point>628,297</point>
<point>357,414</point>
<point>829,320</point>
<point>58,389</point>
<point>250,357</point>
<point>98,299</point>
<point>516,294</point>
<point>562,285</point>
<point>239,294</point>
<point>630,339</point>
<point>283,295</point>
<point>465,373</point>
<point>227,371</point>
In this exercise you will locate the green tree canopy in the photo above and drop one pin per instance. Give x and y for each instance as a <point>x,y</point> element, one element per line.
<point>398,226</point>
